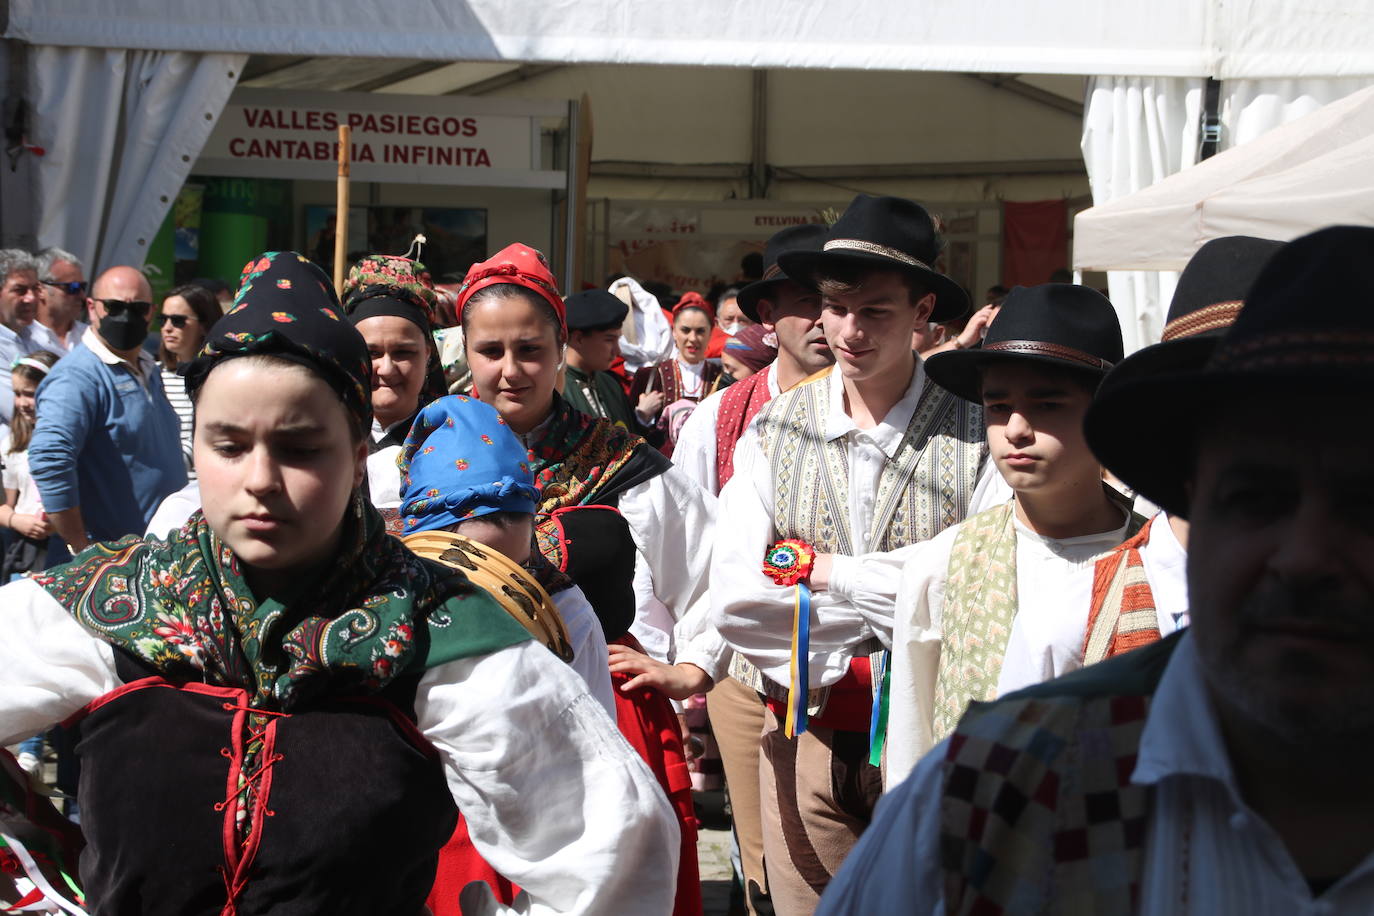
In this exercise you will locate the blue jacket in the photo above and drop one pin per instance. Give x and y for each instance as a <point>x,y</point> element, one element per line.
<point>105,443</point>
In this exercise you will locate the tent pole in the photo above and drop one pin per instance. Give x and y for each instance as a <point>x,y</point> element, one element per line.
<point>341,210</point>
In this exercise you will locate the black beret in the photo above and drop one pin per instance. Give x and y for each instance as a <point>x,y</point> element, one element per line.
<point>595,308</point>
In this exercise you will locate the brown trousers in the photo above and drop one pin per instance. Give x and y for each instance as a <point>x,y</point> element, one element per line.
<point>737,721</point>
<point>819,791</point>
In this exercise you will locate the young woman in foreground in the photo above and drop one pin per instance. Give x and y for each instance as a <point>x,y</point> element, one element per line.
<point>288,701</point>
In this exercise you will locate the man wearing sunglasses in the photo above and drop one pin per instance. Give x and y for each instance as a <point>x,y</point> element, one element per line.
<point>59,326</point>
<point>20,295</point>
<point>107,445</point>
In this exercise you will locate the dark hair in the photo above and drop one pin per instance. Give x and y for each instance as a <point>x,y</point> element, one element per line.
<point>213,285</point>
<point>356,429</point>
<point>1084,379</point>
<point>846,280</point>
<point>503,520</point>
<point>21,427</point>
<point>203,305</point>
<point>502,291</point>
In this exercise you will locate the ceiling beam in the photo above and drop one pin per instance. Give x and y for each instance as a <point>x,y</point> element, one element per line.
<point>908,170</point>
<point>1008,82</point>
<point>501,81</point>
<point>714,170</point>
<point>260,65</point>
<point>390,79</point>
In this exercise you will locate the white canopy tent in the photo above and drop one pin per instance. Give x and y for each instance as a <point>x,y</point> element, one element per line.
<point>137,84</point>
<point>1300,176</point>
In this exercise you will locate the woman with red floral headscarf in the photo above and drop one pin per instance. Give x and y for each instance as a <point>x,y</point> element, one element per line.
<point>641,565</point>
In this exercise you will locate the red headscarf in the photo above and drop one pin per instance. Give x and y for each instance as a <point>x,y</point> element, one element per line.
<point>519,265</point>
<point>693,301</point>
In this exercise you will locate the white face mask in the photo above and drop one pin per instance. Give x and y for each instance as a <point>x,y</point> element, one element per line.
<point>731,329</point>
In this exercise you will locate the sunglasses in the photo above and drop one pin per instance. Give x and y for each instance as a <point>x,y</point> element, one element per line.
<point>117,307</point>
<point>178,321</point>
<point>74,288</point>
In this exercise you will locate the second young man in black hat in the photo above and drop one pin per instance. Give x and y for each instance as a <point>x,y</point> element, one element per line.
<point>1000,601</point>
<point>594,320</point>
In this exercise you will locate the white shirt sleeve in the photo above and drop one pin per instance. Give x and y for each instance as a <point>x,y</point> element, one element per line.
<point>752,614</point>
<point>700,644</point>
<point>591,659</point>
<point>895,868</point>
<point>671,520</point>
<point>50,665</point>
<point>173,511</point>
<point>695,451</point>
<point>555,799</point>
<point>916,640</point>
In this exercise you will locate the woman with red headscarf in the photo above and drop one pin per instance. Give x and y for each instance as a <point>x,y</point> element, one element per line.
<point>685,376</point>
<point>614,515</point>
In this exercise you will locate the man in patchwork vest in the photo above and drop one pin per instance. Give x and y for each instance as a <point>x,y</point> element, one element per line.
<point>1228,768</point>
<point>870,455</point>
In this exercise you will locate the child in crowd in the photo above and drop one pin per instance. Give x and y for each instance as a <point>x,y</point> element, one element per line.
<point>465,472</point>
<point>35,547</point>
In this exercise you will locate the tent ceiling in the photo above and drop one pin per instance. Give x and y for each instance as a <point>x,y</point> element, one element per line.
<point>1230,40</point>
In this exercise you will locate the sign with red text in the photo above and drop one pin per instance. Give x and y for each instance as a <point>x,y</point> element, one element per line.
<point>451,140</point>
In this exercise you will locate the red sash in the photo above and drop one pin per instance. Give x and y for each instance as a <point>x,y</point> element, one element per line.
<point>738,406</point>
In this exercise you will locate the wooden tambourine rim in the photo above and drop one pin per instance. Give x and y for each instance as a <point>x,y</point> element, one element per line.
<point>499,575</point>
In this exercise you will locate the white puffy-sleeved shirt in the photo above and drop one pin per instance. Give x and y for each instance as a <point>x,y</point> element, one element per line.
<point>1054,579</point>
<point>383,477</point>
<point>514,729</point>
<point>754,615</point>
<point>695,451</point>
<point>1206,850</point>
<point>591,659</point>
<point>1166,569</point>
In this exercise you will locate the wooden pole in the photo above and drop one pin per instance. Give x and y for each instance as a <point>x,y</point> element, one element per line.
<point>341,210</point>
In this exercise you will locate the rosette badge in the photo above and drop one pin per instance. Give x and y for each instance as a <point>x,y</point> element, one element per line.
<point>789,563</point>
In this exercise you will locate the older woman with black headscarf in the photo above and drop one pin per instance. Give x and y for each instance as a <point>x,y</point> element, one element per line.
<point>317,696</point>
<point>391,302</point>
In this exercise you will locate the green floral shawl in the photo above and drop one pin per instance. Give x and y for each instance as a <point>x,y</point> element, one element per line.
<point>183,606</point>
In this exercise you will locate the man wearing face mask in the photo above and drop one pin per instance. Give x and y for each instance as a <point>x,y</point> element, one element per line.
<point>106,448</point>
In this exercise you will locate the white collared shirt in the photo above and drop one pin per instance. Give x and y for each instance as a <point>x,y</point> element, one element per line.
<point>753,614</point>
<point>1206,851</point>
<point>48,339</point>
<point>695,451</point>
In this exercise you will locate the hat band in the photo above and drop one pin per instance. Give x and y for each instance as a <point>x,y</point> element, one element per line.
<point>1044,348</point>
<point>874,248</point>
<point>1215,317</point>
<point>772,272</point>
<point>1298,350</point>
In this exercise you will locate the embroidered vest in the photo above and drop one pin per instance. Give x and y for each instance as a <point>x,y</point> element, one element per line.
<point>1038,813</point>
<point>923,489</point>
<point>1123,614</point>
<point>980,606</point>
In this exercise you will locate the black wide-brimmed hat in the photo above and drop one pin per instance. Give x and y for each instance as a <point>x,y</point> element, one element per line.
<point>1307,326</point>
<point>793,238</point>
<point>1054,324</point>
<point>882,233</point>
<point>594,308</point>
<point>1207,300</point>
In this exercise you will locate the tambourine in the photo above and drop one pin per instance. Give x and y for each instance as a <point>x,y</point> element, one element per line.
<point>504,579</point>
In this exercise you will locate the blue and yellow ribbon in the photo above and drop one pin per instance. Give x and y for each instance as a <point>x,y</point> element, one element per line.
<point>800,665</point>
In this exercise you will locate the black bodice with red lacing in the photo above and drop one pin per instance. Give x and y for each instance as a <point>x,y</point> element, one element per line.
<point>194,804</point>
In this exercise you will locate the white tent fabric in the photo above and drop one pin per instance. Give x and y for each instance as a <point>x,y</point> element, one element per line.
<point>1161,227</point>
<point>1235,39</point>
<point>1137,131</point>
<point>120,131</point>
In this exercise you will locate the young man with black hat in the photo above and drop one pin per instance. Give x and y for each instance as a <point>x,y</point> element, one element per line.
<point>1140,592</point>
<point>705,452</point>
<point>869,455</point>
<point>594,320</point>
<point>1227,768</point>
<point>999,602</point>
